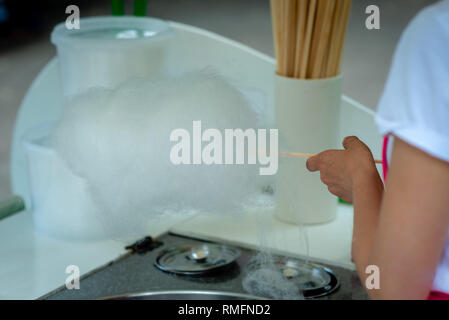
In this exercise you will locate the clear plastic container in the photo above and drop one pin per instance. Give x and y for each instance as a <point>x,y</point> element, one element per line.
<point>61,204</point>
<point>106,51</point>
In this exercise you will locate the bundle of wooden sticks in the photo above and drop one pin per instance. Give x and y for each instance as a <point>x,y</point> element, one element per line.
<point>309,36</point>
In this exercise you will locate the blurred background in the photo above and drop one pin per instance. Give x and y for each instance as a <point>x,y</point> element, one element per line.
<point>25,47</point>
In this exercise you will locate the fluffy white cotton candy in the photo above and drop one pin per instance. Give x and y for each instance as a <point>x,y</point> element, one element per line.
<point>118,141</point>
<point>264,278</point>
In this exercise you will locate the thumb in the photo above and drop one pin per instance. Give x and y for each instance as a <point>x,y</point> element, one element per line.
<point>349,141</point>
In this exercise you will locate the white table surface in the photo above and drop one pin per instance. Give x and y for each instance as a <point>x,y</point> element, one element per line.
<point>32,265</point>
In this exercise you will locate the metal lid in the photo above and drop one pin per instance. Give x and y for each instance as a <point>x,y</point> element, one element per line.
<point>312,279</point>
<point>196,260</point>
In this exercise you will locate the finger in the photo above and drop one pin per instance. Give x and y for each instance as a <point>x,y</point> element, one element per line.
<point>349,141</point>
<point>334,190</point>
<point>323,178</point>
<point>312,163</point>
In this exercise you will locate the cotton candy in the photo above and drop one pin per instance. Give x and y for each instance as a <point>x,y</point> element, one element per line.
<point>118,141</point>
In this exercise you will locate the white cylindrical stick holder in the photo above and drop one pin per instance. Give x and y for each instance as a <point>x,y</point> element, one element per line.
<point>307,119</point>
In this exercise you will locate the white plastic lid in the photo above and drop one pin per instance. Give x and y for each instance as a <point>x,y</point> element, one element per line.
<point>111,31</point>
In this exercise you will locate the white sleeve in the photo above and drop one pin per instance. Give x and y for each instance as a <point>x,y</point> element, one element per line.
<point>415,103</point>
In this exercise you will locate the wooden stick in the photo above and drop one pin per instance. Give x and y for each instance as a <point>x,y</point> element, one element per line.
<point>296,154</point>
<point>290,36</point>
<point>311,13</point>
<point>307,155</point>
<point>282,43</point>
<point>301,16</point>
<point>346,13</point>
<point>333,19</point>
<point>321,36</point>
<point>316,36</point>
<point>275,21</point>
<point>309,36</point>
<point>334,47</point>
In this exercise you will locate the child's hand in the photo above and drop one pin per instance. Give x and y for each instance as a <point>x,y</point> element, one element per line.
<point>339,169</point>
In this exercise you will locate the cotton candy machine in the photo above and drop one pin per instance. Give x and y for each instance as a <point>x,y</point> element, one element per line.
<point>190,269</point>
<point>134,273</point>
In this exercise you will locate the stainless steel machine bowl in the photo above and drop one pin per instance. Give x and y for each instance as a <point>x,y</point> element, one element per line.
<point>184,295</point>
